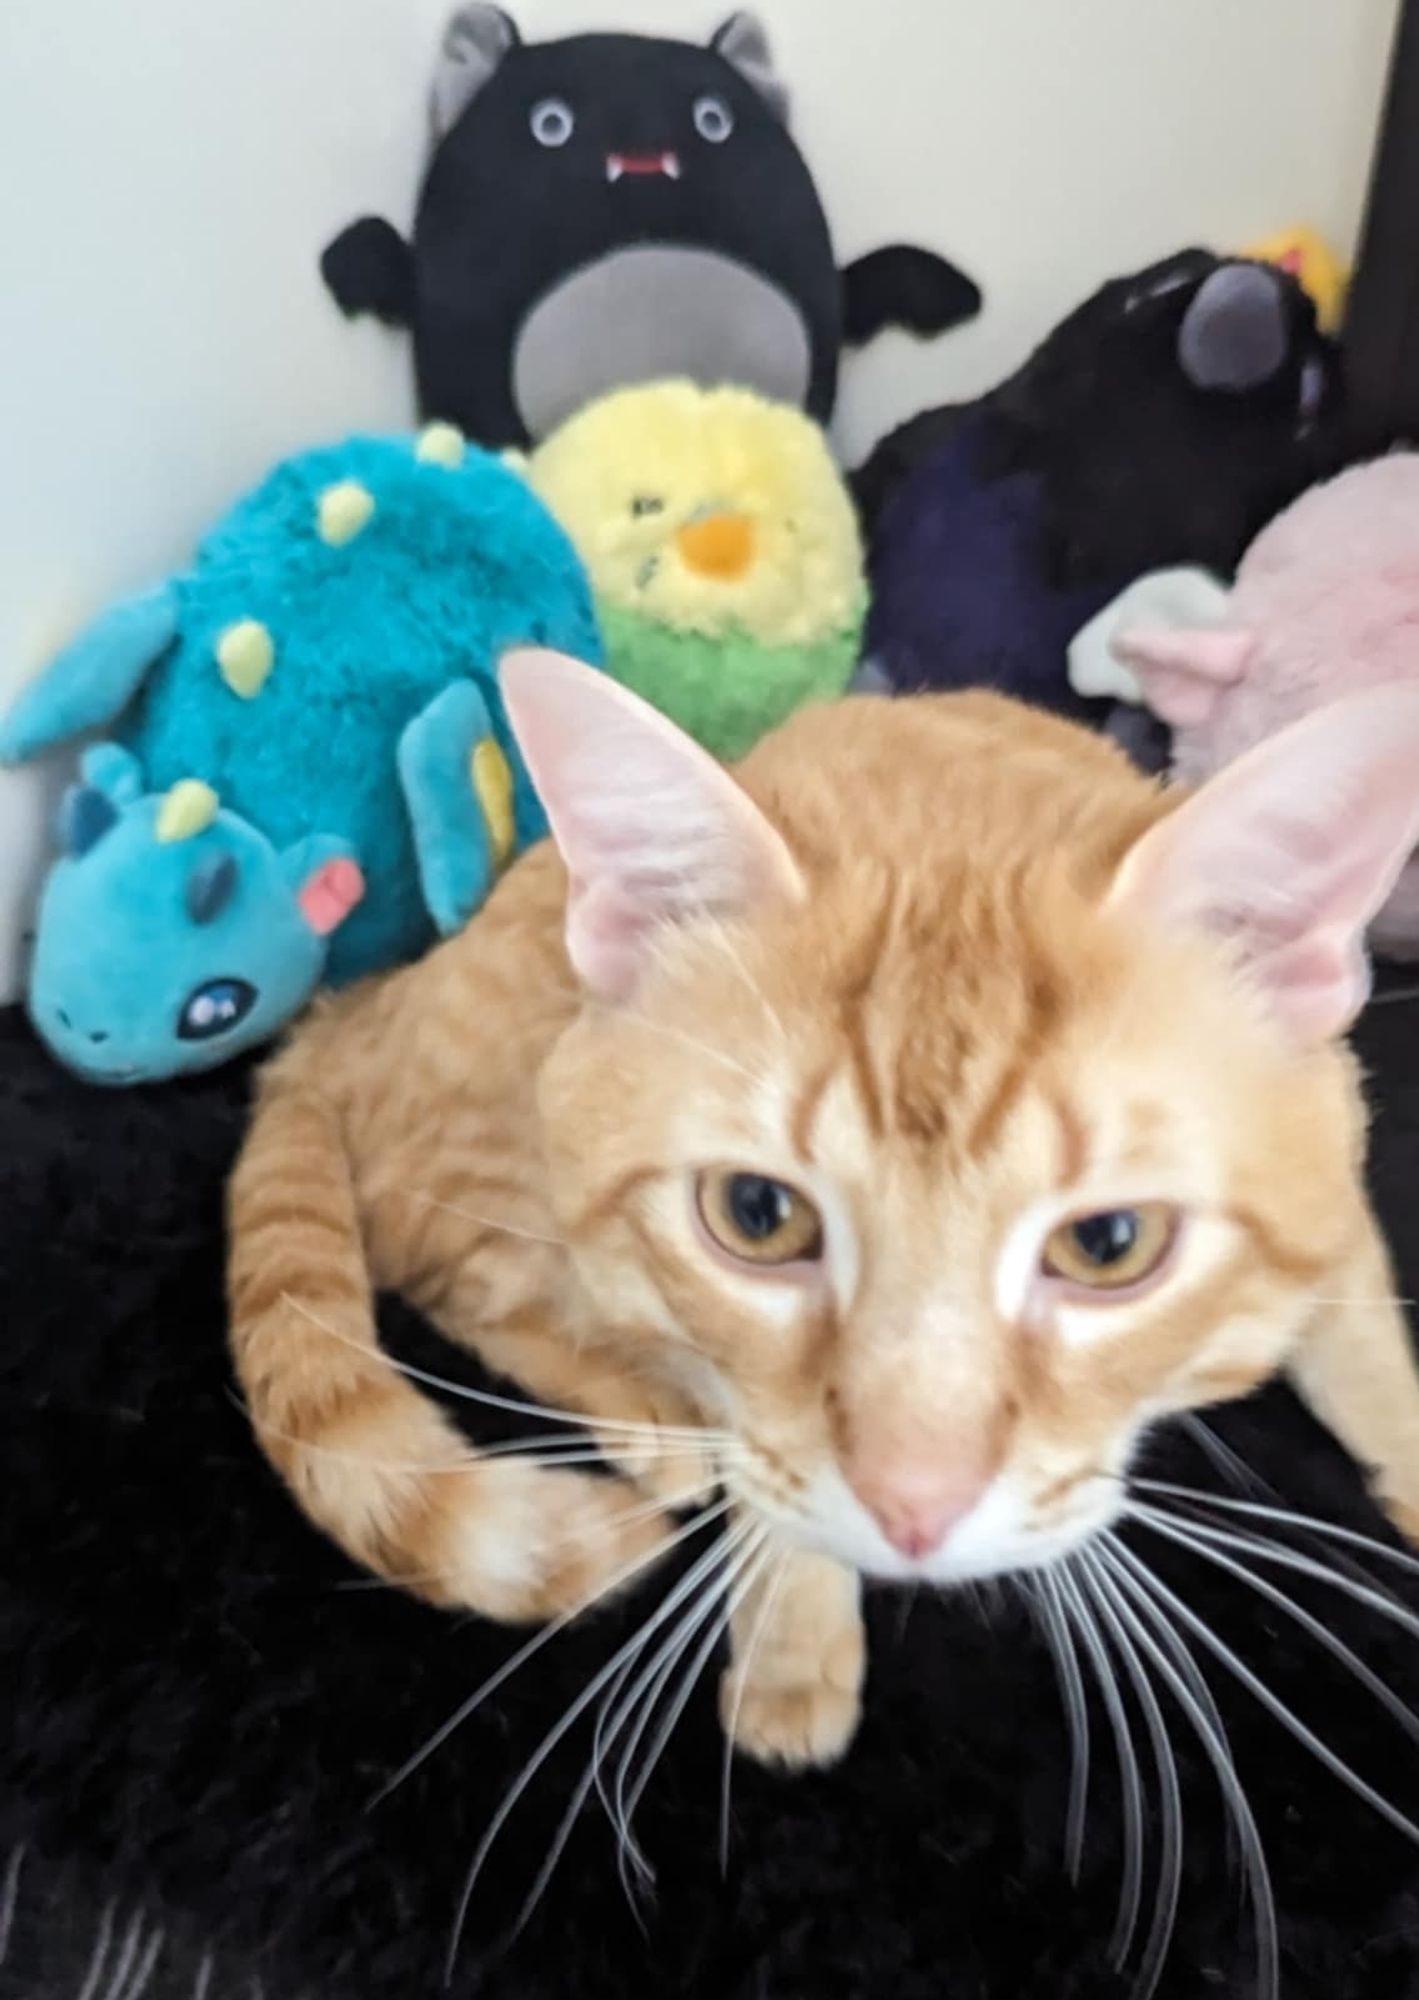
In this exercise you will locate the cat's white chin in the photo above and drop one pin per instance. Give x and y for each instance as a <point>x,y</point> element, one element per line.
<point>1001,1533</point>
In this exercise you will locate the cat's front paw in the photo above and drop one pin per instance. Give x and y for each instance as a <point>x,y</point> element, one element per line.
<point>792,1694</point>
<point>796,1726</point>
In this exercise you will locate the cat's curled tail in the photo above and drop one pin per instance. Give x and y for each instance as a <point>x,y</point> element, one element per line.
<point>371,1460</point>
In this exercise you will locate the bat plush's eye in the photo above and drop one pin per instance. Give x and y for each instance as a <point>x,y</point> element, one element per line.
<point>552,122</point>
<point>713,119</point>
<point>214,1008</point>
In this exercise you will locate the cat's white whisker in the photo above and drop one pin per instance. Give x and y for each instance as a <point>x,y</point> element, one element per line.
<point>1165,1908</point>
<point>535,1644</point>
<point>127,1953</point>
<point>1369,1594</point>
<point>1044,1592</point>
<point>701,1586</point>
<point>731,951</point>
<point>1375,1299</point>
<point>743,1667</point>
<point>1173,1531</point>
<point>1287,1517</point>
<point>503,1228</point>
<point>513,1404</point>
<point>611,1719</point>
<point>1268,1698</point>
<point>10,1896</point>
<point>528,1451</point>
<point>1197,1685</point>
<point>714,1617</point>
<point>1130,1903</point>
<point>1228,1462</point>
<point>1165,1647</point>
<point>696,1578</point>
<point>748,1571</point>
<point>729,1557</point>
<point>699,1048</point>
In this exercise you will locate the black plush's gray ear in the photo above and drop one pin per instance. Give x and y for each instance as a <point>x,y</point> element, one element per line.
<point>744,41</point>
<point>475,45</point>
<point>1236,332</point>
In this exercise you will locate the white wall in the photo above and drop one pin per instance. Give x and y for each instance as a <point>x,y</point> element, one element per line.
<point>169,170</point>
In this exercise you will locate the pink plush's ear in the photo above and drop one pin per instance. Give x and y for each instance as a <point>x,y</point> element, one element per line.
<point>652,829</point>
<point>1291,852</point>
<point>1183,674</point>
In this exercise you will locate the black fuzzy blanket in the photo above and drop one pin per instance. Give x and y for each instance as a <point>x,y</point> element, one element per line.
<point>201,1699</point>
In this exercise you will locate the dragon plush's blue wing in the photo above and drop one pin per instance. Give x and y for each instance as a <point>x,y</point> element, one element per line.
<point>458,789</point>
<point>93,680</point>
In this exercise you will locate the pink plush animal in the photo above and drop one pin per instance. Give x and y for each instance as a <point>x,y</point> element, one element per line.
<point>1326,601</point>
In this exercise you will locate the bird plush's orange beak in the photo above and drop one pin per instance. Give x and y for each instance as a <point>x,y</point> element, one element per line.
<point>719,545</point>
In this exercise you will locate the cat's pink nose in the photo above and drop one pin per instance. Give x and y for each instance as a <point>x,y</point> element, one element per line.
<point>916,1507</point>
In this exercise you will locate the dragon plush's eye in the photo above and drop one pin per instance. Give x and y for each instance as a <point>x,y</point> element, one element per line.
<point>214,1008</point>
<point>553,121</point>
<point>758,1220</point>
<point>713,119</point>
<point>1112,1251</point>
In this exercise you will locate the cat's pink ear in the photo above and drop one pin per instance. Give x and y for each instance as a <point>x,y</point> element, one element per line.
<point>1290,854</point>
<point>652,829</point>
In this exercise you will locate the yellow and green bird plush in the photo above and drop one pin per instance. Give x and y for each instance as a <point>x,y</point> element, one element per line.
<point>722,548</point>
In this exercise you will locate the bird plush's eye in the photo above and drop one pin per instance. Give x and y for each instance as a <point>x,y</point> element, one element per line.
<point>644,504</point>
<point>758,1220</point>
<point>214,1008</point>
<point>713,119</point>
<point>553,121</point>
<point>1112,1251</point>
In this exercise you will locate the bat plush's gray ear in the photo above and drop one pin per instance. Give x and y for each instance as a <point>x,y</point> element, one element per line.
<point>475,44</point>
<point>744,42</point>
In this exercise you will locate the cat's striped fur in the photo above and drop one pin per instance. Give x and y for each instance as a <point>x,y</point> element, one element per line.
<point>932,975</point>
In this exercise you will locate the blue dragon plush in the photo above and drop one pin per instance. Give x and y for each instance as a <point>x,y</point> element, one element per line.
<point>312,775</point>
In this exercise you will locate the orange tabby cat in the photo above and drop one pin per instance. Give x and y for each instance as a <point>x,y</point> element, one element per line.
<point>921,1111</point>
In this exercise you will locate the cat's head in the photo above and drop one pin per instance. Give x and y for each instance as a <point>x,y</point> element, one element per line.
<point>948,1104</point>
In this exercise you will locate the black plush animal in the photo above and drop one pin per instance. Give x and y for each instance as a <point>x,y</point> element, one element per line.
<point>614,208</point>
<point>1164,422</point>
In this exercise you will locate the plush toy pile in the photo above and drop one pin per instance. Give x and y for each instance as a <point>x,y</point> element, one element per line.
<point>619,259</point>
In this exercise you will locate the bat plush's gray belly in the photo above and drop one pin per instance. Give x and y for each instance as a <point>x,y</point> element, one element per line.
<point>652,311</point>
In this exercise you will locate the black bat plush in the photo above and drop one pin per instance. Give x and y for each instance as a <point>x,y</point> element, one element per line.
<point>614,208</point>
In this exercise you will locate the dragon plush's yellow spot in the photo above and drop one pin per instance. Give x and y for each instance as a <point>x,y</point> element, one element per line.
<point>245,656</point>
<point>341,512</point>
<point>440,444</point>
<point>188,808</point>
<point>492,781</point>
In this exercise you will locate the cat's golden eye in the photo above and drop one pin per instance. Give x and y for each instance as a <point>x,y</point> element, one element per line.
<point>1113,1250</point>
<point>758,1220</point>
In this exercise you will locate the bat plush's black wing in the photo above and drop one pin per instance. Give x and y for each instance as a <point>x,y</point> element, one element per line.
<point>369,268</point>
<point>902,285</point>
